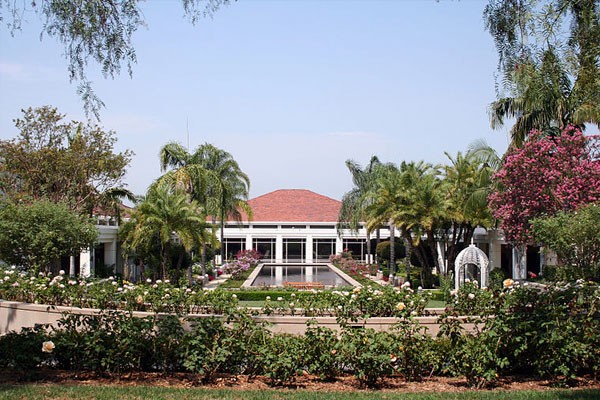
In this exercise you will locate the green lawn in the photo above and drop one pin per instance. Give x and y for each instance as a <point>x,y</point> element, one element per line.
<point>36,391</point>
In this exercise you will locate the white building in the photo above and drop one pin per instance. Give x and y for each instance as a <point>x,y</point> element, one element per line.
<point>293,225</point>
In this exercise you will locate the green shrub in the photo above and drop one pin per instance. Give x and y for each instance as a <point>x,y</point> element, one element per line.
<point>415,354</point>
<point>261,295</point>
<point>105,343</point>
<point>383,250</point>
<point>166,345</point>
<point>321,352</point>
<point>368,354</point>
<point>280,358</point>
<point>208,347</point>
<point>497,276</point>
<point>477,358</point>
<point>23,351</point>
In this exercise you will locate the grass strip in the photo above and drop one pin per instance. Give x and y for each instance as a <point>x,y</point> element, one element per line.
<point>110,392</point>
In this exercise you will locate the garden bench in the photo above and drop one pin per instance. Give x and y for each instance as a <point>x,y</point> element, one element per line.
<point>304,285</point>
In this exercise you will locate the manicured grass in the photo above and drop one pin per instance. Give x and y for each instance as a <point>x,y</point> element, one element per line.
<point>36,391</point>
<point>436,304</point>
<point>252,303</point>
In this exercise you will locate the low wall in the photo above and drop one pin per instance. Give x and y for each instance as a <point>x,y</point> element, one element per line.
<point>15,315</point>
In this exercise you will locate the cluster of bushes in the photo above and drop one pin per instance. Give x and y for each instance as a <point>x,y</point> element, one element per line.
<point>552,333</point>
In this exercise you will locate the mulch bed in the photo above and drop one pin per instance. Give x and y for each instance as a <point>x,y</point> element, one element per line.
<point>305,382</point>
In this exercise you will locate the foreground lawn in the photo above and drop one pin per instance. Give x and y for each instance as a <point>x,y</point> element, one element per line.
<point>36,391</point>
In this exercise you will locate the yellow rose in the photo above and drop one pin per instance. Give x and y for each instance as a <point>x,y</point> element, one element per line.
<point>508,283</point>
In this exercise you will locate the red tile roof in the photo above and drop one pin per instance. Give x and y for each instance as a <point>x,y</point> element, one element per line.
<point>294,205</point>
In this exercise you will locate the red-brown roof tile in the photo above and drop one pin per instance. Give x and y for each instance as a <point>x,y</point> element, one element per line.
<point>294,205</point>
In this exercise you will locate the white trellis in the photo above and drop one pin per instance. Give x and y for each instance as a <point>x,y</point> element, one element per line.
<point>471,263</point>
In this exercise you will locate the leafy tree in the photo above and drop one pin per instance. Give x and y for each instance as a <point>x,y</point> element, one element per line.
<point>36,234</point>
<point>94,31</point>
<point>575,238</point>
<point>164,216</point>
<point>69,162</point>
<point>212,177</point>
<point>548,62</point>
<point>546,176</point>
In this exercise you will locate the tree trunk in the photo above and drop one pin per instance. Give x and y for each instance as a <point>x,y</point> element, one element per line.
<point>222,233</point>
<point>377,239</point>
<point>189,269</point>
<point>368,248</point>
<point>142,269</point>
<point>203,260</point>
<point>392,253</point>
<point>165,258</point>
<point>178,266</point>
<point>408,251</point>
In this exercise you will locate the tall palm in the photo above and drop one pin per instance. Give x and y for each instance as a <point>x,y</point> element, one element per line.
<point>383,198</point>
<point>468,184</point>
<point>163,215</point>
<point>544,97</point>
<point>409,197</point>
<point>423,210</point>
<point>354,203</point>
<point>212,177</point>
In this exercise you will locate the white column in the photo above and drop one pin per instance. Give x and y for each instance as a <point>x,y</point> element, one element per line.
<point>85,269</point>
<point>309,274</point>
<point>441,257</point>
<point>278,248</point>
<point>519,262</point>
<point>248,242</point>
<point>110,253</point>
<point>309,249</point>
<point>456,277</point>
<point>339,245</point>
<point>279,275</point>
<point>72,266</point>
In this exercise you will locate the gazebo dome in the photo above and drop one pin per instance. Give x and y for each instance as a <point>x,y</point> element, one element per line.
<point>471,256</point>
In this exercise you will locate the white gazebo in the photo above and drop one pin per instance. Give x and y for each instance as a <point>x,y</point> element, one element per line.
<point>471,263</point>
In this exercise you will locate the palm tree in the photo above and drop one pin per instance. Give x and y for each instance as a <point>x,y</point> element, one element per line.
<point>212,177</point>
<point>545,98</point>
<point>423,210</point>
<point>353,209</point>
<point>468,184</point>
<point>382,200</point>
<point>164,215</point>
<point>410,198</point>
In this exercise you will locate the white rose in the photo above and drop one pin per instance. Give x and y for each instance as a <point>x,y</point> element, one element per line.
<point>48,347</point>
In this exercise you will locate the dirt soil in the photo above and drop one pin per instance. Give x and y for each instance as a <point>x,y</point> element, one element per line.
<point>305,382</point>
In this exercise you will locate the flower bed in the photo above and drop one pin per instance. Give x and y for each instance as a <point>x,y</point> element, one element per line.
<point>551,334</point>
<point>162,296</point>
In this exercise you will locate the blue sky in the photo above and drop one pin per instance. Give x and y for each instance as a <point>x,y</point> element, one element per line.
<point>291,89</point>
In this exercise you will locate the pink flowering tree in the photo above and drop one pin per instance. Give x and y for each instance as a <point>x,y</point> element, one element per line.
<point>545,176</point>
<point>244,260</point>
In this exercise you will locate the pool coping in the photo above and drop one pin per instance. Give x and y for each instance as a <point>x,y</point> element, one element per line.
<point>248,282</point>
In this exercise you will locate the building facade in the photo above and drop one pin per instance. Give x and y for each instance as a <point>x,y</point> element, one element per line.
<point>296,225</point>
